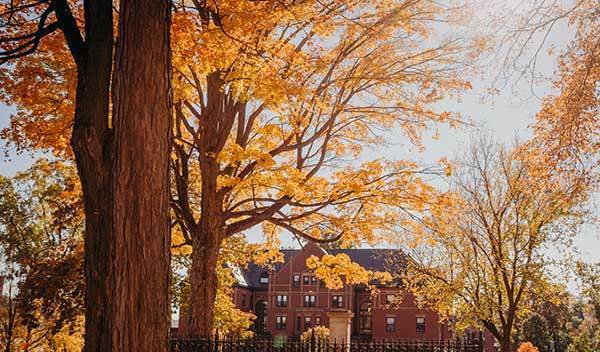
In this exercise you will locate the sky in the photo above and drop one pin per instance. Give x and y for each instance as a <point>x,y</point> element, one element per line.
<point>505,115</point>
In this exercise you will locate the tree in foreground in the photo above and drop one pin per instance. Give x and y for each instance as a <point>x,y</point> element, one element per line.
<point>122,157</point>
<point>274,119</point>
<point>483,258</point>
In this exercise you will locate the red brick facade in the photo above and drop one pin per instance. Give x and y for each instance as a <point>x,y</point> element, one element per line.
<point>295,300</point>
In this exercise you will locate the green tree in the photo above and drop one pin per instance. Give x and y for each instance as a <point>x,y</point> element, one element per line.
<point>535,330</point>
<point>586,331</point>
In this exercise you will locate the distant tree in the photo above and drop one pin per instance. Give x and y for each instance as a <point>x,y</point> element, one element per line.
<point>558,312</point>
<point>589,276</point>
<point>535,330</point>
<point>41,243</point>
<point>586,330</point>
<point>481,257</point>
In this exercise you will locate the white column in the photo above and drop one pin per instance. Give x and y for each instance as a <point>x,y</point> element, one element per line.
<point>340,322</point>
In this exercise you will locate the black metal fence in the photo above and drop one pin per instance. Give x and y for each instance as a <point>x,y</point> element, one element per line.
<point>288,345</point>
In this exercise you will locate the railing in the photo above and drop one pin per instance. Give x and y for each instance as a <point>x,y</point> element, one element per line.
<point>288,345</point>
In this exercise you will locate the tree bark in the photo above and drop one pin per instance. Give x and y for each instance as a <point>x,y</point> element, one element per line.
<point>206,243</point>
<point>91,142</point>
<point>141,117</point>
<point>505,344</point>
<point>203,278</point>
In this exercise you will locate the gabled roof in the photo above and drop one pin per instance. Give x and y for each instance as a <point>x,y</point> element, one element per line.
<point>390,260</point>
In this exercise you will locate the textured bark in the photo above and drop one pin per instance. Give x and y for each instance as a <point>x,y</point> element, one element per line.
<point>203,277</point>
<point>141,118</point>
<point>206,244</point>
<point>91,142</point>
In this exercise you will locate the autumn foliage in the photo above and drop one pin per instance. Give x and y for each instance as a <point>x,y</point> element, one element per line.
<point>272,119</point>
<point>481,257</point>
<point>278,109</point>
<point>527,347</point>
<point>41,222</point>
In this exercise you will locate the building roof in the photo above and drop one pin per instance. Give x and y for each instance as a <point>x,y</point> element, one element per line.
<point>390,260</point>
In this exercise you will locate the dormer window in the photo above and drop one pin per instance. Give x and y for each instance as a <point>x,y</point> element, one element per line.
<point>264,278</point>
<point>296,280</point>
<point>421,324</point>
<point>389,299</point>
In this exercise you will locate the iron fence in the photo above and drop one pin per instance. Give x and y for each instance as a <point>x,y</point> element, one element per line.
<point>315,345</point>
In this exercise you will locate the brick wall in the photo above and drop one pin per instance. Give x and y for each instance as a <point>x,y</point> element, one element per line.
<point>295,282</point>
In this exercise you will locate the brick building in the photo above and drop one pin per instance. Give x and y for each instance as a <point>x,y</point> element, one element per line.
<point>289,299</point>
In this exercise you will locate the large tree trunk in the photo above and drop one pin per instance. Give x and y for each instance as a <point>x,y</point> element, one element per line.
<point>206,244</point>
<point>203,279</point>
<point>91,142</point>
<point>126,241</point>
<point>141,117</point>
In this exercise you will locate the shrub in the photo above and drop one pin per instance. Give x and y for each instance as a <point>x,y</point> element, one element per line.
<point>527,347</point>
<point>321,334</point>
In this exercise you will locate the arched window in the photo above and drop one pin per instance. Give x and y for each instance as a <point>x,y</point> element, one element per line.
<point>364,318</point>
<point>261,317</point>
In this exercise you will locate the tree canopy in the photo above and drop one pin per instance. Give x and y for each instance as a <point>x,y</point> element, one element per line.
<point>482,259</point>
<point>41,228</point>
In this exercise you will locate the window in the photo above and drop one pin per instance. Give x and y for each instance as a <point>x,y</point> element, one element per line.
<point>318,321</point>
<point>243,304</point>
<point>264,278</point>
<point>261,316</point>
<point>364,318</point>
<point>313,280</point>
<point>280,322</point>
<point>296,280</point>
<point>390,324</point>
<point>298,322</point>
<point>420,324</point>
<point>282,300</point>
<point>306,280</point>
<point>337,301</point>
<point>321,284</point>
<point>389,299</point>
<point>309,301</point>
<point>306,323</point>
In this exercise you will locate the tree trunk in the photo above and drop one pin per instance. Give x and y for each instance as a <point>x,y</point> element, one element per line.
<point>203,279</point>
<point>141,117</point>
<point>206,243</point>
<point>91,142</point>
<point>126,241</point>
<point>505,344</point>
<point>98,254</point>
